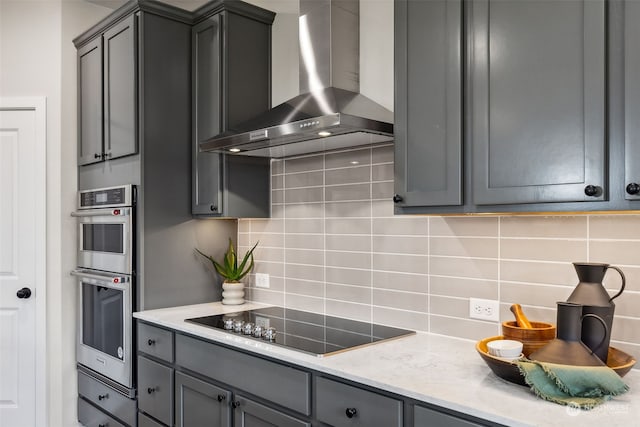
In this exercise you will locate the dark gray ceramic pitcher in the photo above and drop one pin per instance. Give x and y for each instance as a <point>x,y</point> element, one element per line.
<point>595,299</point>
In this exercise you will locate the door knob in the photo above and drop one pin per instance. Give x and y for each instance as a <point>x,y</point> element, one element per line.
<point>23,293</point>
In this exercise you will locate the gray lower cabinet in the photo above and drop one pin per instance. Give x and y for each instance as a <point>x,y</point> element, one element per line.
<point>106,399</point>
<point>198,403</point>
<point>155,390</point>
<point>339,405</point>
<point>90,416</point>
<point>249,413</point>
<point>230,83</point>
<point>107,94</point>
<point>425,417</point>
<point>428,104</point>
<point>146,421</point>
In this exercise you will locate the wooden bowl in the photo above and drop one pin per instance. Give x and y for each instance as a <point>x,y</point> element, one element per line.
<point>617,360</point>
<point>531,338</point>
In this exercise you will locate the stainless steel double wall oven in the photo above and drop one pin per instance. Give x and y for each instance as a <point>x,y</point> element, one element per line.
<point>106,284</point>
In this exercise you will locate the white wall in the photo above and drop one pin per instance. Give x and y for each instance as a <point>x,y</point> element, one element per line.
<point>37,58</point>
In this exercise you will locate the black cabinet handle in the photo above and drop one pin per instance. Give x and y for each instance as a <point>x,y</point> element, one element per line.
<point>397,198</point>
<point>591,190</point>
<point>351,412</point>
<point>103,396</point>
<point>23,293</point>
<point>221,397</point>
<point>633,188</point>
<point>151,390</point>
<point>235,404</point>
<point>151,342</point>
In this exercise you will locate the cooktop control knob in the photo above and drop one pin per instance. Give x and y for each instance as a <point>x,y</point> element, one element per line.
<point>238,325</point>
<point>228,324</point>
<point>257,331</point>
<point>270,334</point>
<point>247,329</point>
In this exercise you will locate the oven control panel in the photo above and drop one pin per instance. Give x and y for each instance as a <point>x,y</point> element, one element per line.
<point>106,197</point>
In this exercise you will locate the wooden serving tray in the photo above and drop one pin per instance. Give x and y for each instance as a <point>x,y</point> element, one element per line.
<point>617,360</point>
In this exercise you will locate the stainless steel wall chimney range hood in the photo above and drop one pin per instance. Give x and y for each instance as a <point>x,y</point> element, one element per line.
<point>330,113</point>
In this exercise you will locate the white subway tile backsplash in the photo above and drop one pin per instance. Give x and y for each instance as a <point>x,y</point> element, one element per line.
<point>333,245</point>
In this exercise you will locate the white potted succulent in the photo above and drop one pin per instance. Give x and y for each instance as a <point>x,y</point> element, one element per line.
<point>233,287</point>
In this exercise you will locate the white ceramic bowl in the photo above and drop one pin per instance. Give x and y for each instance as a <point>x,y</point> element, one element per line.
<point>510,349</point>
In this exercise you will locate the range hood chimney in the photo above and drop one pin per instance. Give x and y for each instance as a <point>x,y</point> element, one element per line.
<point>330,113</point>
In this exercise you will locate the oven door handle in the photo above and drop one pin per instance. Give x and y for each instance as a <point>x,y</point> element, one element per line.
<point>101,212</point>
<point>107,278</point>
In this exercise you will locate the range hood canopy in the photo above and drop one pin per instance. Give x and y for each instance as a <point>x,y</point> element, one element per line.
<point>330,113</point>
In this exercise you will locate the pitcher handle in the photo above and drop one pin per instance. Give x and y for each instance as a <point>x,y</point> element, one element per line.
<point>624,280</point>
<point>604,325</point>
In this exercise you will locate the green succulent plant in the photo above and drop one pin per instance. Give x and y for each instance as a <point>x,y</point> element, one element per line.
<point>229,269</point>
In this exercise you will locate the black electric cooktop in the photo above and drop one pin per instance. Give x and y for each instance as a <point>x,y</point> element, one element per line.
<point>313,333</point>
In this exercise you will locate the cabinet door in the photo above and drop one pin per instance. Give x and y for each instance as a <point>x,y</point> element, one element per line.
<point>90,102</point>
<point>198,403</point>
<point>430,417</point>
<point>207,115</point>
<point>120,89</point>
<point>155,390</point>
<point>537,76</point>
<point>632,99</point>
<point>251,414</point>
<point>428,127</point>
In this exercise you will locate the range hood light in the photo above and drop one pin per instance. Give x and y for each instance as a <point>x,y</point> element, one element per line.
<point>234,150</point>
<point>324,133</point>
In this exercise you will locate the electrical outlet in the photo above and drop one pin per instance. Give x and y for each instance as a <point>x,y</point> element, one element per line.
<point>262,280</point>
<point>262,321</point>
<point>484,309</point>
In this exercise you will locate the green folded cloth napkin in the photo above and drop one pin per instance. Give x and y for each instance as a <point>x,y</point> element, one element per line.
<point>579,386</point>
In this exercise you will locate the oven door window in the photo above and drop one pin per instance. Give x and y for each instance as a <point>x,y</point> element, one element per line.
<point>103,319</point>
<point>103,238</point>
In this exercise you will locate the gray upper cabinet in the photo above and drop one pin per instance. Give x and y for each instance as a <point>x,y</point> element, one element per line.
<point>107,94</point>
<point>537,101</point>
<point>428,105</point>
<point>231,83</point>
<point>632,99</point>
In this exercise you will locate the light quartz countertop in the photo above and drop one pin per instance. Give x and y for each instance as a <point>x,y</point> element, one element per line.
<point>436,369</point>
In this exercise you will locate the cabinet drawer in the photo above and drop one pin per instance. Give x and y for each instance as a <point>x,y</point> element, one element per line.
<point>155,341</point>
<point>107,398</point>
<point>430,417</point>
<point>278,383</point>
<point>90,416</point>
<point>145,421</point>
<point>339,404</point>
<point>155,390</point>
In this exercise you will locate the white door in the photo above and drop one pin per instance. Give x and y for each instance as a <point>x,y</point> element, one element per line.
<point>22,261</point>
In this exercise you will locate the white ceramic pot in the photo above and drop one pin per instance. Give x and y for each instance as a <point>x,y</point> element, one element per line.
<point>232,293</point>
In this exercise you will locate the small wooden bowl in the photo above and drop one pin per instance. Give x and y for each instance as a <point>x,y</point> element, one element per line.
<point>531,338</point>
<point>617,360</point>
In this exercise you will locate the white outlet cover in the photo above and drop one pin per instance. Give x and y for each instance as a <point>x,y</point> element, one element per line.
<point>262,280</point>
<point>484,309</point>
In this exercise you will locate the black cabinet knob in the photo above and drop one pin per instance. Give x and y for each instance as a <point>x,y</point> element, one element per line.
<point>213,208</point>
<point>633,188</point>
<point>397,198</point>
<point>351,412</point>
<point>103,425</point>
<point>591,190</point>
<point>23,293</point>
<point>221,397</point>
<point>151,390</point>
<point>103,396</point>
<point>235,404</point>
<point>151,342</point>
<point>97,156</point>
